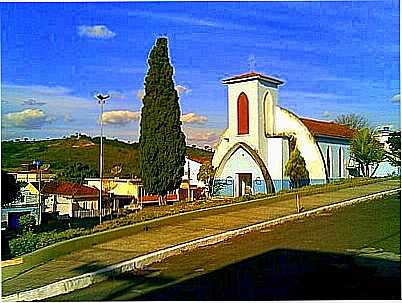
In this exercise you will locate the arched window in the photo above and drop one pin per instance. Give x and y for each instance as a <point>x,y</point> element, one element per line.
<point>329,161</point>
<point>242,115</point>
<point>268,114</point>
<point>340,162</point>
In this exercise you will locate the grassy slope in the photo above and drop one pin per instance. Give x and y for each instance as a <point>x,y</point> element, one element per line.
<point>60,152</point>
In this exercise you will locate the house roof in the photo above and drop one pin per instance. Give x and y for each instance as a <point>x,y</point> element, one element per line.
<point>253,75</point>
<point>200,159</point>
<point>36,184</point>
<point>328,129</point>
<point>69,189</point>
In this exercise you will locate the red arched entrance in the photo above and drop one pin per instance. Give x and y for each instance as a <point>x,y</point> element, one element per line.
<point>242,115</point>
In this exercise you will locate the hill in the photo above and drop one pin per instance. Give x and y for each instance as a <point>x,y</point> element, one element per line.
<point>59,153</point>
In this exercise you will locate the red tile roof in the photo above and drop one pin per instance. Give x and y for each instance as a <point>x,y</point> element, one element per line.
<point>200,159</point>
<point>69,189</point>
<point>327,129</point>
<point>254,75</point>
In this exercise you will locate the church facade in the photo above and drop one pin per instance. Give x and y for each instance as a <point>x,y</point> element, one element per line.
<point>252,152</point>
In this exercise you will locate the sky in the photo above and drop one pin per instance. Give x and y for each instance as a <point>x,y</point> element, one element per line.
<point>335,58</point>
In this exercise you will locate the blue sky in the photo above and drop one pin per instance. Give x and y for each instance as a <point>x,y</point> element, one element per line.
<point>336,57</point>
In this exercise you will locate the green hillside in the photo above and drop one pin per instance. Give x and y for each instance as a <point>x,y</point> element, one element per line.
<point>59,153</point>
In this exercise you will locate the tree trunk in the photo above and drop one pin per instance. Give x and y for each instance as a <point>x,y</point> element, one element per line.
<point>375,169</point>
<point>362,169</point>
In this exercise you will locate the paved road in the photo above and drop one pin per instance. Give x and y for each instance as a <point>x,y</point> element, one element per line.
<point>167,235</point>
<point>349,253</point>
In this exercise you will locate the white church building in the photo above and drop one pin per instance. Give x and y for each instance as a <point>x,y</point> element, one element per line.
<point>252,152</point>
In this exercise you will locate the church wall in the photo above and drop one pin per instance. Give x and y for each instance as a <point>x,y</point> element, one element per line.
<point>241,162</point>
<point>234,91</point>
<point>335,174</point>
<point>277,156</point>
<point>288,124</point>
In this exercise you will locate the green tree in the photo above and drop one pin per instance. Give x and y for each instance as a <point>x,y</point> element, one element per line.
<point>354,121</point>
<point>206,174</point>
<point>10,189</point>
<point>76,173</point>
<point>366,151</point>
<point>27,223</point>
<point>394,154</point>
<point>296,169</point>
<point>162,142</point>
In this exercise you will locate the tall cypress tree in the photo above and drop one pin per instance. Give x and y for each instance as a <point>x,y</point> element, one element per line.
<point>162,142</point>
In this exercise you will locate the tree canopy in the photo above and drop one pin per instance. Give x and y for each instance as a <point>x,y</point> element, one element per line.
<point>366,151</point>
<point>354,121</point>
<point>296,169</point>
<point>206,174</point>
<point>394,154</point>
<point>9,188</point>
<point>162,142</point>
<point>76,173</point>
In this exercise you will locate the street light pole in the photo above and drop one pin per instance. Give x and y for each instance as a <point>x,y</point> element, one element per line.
<point>101,100</point>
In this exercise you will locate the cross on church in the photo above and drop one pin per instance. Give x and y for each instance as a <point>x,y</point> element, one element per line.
<point>252,63</point>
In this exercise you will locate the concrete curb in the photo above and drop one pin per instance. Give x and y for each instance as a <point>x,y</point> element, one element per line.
<point>85,280</point>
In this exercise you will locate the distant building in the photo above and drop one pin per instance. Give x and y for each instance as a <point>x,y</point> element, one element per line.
<point>252,152</point>
<point>32,176</point>
<point>66,198</point>
<point>27,203</point>
<point>127,191</point>
<point>385,168</point>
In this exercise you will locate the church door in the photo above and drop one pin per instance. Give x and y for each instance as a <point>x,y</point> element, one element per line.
<point>245,185</point>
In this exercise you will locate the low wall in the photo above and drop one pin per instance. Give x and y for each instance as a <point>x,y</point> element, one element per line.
<point>85,280</point>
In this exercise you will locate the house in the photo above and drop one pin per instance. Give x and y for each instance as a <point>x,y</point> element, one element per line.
<point>252,152</point>
<point>191,188</point>
<point>126,191</point>
<point>66,198</point>
<point>27,203</point>
<point>32,176</point>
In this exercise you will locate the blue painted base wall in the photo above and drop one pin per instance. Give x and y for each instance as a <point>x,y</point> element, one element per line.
<point>226,187</point>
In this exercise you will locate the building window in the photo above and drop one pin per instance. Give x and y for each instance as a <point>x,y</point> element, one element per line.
<point>242,115</point>
<point>329,161</point>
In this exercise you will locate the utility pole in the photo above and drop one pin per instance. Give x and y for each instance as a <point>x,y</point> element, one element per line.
<point>101,100</point>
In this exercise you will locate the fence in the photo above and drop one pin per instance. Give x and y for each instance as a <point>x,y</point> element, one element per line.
<point>91,213</point>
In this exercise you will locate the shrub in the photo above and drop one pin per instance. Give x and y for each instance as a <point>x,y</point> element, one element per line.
<point>27,223</point>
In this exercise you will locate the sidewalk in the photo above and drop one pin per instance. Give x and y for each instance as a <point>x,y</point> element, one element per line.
<point>183,230</point>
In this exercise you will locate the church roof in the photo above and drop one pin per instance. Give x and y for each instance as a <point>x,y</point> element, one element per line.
<point>252,75</point>
<point>327,129</point>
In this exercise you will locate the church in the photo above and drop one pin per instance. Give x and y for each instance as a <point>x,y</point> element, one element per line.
<point>252,152</point>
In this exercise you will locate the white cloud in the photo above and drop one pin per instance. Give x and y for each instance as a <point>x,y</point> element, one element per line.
<point>182,18</point>
<point>396,98</point>
<point>140,94</point>
<point>327,114</point>
<point>117,95</point>
<point>33,102</point>
<point>120,117</point>
<point>193,118</point>
<point>96,31</point>
<point>67,117</point>
<point>201,136</point>
<point>181,89</point>
<point>27,119</point>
